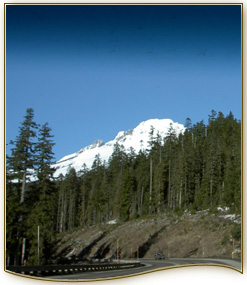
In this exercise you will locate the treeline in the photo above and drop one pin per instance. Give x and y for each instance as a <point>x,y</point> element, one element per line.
<point>199,169</point>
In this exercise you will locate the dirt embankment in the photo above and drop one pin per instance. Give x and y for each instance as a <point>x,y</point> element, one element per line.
<point>198,235</point>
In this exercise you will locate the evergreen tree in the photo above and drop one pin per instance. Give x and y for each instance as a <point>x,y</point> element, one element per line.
<point>97,196</point>
<point>127,194</point>
<point>69,201</point>
<point>142,180</point>
<point>151,145</point>
<point>169,148</point>
<point>117,162</point>
<point>159,186</point>
<point>44,154</point>
<point>43,213</point>
<point>83,201</point>
<point>12,228</point>
<point>22,160</point>
<point>21,164</point>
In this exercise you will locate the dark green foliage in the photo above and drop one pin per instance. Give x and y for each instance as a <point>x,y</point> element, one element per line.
<point>68,202</point>
<point>20,165</point>
<point>22,158</point>
<point>44,153</point>
<point>199,169</point>
<point>12,229</point>
<point>30,195</point>
<point>236,232</point>
<point>43,212</point>
<point>127,195</point>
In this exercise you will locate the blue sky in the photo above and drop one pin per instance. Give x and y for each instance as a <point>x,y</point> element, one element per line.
<point>93,70</point>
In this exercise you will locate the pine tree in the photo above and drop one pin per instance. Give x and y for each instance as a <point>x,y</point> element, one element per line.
<point>12,228</point>
<point>21,164</point>
<point>69,201</point>
<point>44,153</point>
<point>22,160</point>
<point>83,201</point>
<point>142,180</point>
<point>170,153</point>
<point>151,145</point>
<point>159,186</point>
<point>127,194</point>
<point>117,162</point>
<point>232,177</point>
<point>97,197</point>
<point>43,213</point>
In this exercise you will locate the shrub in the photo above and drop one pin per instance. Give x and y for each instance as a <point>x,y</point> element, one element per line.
<point>236,232</point>
<point>225,240</point>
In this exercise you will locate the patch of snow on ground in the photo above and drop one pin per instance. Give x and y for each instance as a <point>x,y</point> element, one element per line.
<point>225,209</point>
<point>233,217</point>
<point>230,217</point>
<point>237,250</point>
<point>113,222</point>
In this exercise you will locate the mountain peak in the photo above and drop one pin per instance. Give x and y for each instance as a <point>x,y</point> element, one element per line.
<point>136,139</point>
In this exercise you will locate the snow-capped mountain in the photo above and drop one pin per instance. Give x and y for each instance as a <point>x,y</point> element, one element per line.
<point>137,139</point>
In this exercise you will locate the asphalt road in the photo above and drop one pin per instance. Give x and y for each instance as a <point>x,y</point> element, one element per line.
<point>150,265</point>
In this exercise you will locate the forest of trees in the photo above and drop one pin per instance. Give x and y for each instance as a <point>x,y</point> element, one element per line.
<point>199,169</point>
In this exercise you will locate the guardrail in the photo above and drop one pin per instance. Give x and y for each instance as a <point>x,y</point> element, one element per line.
<point>42,270</point>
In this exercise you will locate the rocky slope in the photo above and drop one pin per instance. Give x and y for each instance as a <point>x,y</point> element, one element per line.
<point>202,234</point>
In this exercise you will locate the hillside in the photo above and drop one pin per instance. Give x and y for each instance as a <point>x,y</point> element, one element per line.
<point>201,234</point>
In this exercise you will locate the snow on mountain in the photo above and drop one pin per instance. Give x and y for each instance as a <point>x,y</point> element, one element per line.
<point>137,139</point>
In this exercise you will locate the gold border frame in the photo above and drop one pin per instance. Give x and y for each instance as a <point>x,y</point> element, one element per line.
<point>242,145</point>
